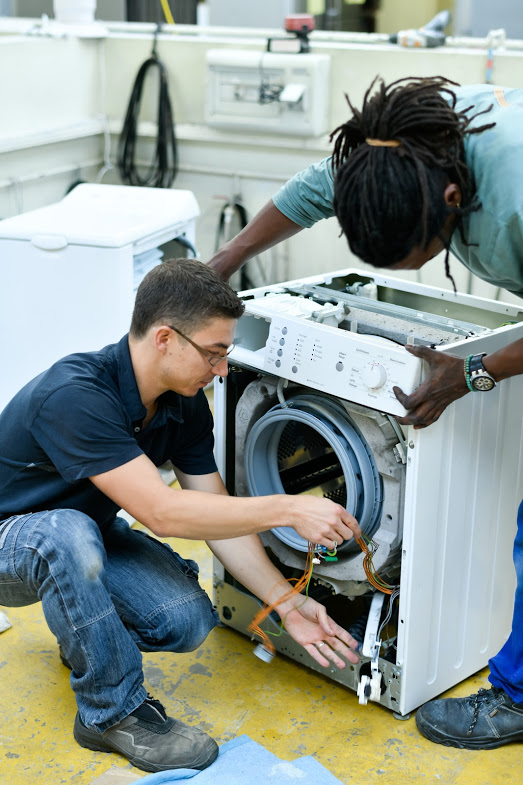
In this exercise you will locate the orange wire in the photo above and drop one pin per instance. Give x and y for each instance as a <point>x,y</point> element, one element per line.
<point>254,627</point>
<point>372,576</point>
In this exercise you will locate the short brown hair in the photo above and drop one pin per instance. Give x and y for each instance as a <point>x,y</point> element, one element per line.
<point>183,292</point>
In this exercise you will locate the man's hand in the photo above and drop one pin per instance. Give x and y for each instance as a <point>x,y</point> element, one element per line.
<point>310,626</point>
<point>444,384</point>
<point>322,521</point>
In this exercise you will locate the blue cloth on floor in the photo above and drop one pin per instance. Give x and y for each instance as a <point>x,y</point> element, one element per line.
<point>244,762</point>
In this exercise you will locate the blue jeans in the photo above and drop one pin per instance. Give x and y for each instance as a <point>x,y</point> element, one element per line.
<point>506,668</point>
<point>106,595</point>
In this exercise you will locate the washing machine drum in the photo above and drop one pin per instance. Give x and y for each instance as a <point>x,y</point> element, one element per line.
<point>311,445</point>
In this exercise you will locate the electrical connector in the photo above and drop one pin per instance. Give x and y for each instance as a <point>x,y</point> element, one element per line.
<point>263,653</point>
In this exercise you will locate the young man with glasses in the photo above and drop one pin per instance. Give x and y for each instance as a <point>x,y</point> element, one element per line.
<point>83,440</point>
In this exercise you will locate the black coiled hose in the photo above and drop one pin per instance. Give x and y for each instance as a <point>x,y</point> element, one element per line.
<point>164,166</point>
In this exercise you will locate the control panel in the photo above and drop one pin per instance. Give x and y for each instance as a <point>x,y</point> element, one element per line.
<point>299,339</point>
<point>359,368</point>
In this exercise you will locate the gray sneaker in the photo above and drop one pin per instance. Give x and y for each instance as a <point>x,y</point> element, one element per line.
<point>151,740</point>
<point>488,719</point>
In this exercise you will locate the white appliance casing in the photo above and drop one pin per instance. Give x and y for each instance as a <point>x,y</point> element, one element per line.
<point>463,484</point>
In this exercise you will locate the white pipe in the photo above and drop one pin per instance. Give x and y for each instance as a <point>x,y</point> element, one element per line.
<point>255,34</point>
<point>251,35</point>
<point>215,171</point>
<point>65,133</point>
<point>10,182</point>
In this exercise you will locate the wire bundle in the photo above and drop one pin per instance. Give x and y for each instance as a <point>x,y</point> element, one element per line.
<point>300,585</point>
<point>164,166</point>
<point>369,549</point>
<point>394,596</point>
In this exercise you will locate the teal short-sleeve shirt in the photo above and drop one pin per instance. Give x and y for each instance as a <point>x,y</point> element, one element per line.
<point>494,234</point>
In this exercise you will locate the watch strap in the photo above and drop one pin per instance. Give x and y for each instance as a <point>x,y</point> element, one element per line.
<point>474,369</point>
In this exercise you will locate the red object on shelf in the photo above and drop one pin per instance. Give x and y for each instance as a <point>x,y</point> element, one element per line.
<point>299,23</point>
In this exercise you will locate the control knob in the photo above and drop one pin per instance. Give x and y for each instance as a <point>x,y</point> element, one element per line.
<point>374,376</point>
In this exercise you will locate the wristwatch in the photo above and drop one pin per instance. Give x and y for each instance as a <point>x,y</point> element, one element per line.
<point>477,377</point>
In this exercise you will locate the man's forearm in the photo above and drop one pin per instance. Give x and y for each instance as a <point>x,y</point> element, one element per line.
<point>245,558</point>
<point>505,362</point>
<point>202,510</point>
<point>198,515</point>
<point>267,228</point>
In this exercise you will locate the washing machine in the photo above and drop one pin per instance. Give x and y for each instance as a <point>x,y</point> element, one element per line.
<point>308,407</point>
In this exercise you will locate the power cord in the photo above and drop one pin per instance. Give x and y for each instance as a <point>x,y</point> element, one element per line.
<point>228,211</point>
<point>182,240</point>
<point>164,166</point>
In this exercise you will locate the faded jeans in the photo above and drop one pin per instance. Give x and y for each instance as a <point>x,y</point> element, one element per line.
<point>106,595</point>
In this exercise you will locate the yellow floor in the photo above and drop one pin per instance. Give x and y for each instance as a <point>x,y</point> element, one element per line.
<point>227,691</point>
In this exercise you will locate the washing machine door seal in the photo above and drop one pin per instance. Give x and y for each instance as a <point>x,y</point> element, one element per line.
<point>330,421</point>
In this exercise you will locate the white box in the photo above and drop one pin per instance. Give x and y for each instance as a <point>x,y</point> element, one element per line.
<point>262,91</point>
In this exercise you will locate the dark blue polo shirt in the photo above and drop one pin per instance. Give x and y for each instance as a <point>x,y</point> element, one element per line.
<point>83,417</point>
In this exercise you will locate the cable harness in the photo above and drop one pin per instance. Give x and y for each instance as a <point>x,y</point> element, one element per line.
<point>164,167</point>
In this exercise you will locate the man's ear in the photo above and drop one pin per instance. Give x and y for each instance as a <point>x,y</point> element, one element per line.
<point>452,195</point>
<point>162,336</point>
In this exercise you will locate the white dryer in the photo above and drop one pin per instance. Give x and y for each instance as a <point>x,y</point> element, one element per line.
<point>308,407</point>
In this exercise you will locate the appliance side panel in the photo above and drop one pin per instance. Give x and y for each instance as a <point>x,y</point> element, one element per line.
<point>221,446</point>
<point>76,299</point>
<point>464,484</point>
<point>220,415</point>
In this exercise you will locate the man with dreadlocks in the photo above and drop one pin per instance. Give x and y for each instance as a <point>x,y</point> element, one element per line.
<point>427,166</point>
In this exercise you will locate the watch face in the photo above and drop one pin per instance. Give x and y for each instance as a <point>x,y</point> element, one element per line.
<point>482,383</point>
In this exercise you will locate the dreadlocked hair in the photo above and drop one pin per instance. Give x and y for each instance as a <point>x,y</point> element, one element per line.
<point>390,200</point>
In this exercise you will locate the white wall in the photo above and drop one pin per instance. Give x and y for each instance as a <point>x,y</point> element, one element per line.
<point>51,118</point>
<point>56,88</point>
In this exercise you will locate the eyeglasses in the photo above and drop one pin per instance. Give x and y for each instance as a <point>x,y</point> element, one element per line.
<point>212,359</point>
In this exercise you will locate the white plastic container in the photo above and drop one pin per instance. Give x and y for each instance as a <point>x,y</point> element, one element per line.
<point>74,12</point>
